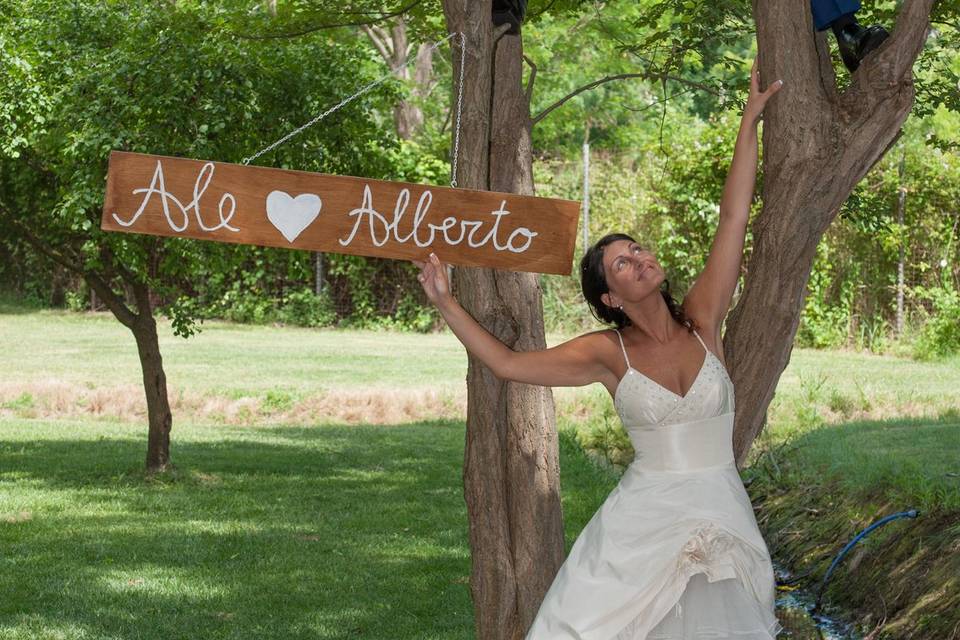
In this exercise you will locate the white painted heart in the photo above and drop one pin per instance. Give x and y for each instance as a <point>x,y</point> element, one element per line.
<point>292,215</point>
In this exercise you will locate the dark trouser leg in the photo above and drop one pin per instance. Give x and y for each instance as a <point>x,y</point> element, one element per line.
<point>853,40</point>
<point>825,12</point>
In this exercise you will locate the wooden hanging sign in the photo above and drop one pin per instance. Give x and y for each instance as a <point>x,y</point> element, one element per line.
<point>185,198</point>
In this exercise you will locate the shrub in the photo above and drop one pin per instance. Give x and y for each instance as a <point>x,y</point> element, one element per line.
<point>306,309</point>
<point>940,335</point>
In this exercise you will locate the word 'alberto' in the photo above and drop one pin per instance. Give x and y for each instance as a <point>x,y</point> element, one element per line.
<point>381,228</point>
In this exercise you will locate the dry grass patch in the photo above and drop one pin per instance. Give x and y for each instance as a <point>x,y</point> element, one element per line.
<point>57,399</point>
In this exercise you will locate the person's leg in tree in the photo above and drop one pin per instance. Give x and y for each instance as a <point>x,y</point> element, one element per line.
<point>509,12</point>
<point>854,40</point>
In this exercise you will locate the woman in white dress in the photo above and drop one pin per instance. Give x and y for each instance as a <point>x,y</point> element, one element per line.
<point>674,552</point>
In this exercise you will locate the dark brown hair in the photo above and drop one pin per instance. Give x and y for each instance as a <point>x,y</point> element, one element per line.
<point>593,283</point>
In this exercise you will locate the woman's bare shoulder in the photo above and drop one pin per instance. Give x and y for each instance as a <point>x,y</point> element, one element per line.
<point>599,337</point>
<point>605,348</point>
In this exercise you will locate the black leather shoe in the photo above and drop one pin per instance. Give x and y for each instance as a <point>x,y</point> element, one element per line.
<point>509,12</point>
<point>856,41</point>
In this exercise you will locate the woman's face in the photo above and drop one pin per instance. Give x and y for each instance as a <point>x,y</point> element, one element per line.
<point>632,272</point>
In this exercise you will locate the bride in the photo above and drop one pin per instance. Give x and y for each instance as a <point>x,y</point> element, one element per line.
<point>674,552</point>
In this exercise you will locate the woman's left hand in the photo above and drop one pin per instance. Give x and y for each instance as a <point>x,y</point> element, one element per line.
<point>757,100</point>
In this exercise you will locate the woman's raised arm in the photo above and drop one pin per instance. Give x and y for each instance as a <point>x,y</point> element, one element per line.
<point>708,300</point>
<point>571,364</point>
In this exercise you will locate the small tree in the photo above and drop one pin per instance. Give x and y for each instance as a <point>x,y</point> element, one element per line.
<point>87,78</point>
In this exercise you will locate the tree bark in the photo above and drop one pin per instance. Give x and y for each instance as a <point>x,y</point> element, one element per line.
<point>159,417</point>
<point>511,461</point>
<point>144,328</point>
<point>818,143</point>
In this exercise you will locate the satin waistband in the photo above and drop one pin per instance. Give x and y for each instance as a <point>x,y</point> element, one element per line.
<point>686,446</point>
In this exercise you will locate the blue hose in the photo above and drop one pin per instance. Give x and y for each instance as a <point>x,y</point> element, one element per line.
<point>912,513</point>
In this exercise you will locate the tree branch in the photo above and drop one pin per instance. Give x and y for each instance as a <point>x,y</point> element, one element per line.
<point>384,36</point>
<point>123,313</point>
<point>501,31</point>
<point>378,42</point>
<point>93,279</point>
<point>622,76</point>
<point>897,55</point>
<point>332,25</point>
<point>528,92</point>
<point>954,25</point>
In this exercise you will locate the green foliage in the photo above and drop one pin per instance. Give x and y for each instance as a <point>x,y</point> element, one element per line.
<point>85,78</point>
<point>306,309</point>
<point>851,293</point>
<point>239,304</point>
<point>826,315</point>
<point>940,335</point>
<point>183,313</point>
<point>607,437</point>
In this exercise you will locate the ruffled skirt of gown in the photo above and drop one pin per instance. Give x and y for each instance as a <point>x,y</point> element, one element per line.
<point>668,556</point>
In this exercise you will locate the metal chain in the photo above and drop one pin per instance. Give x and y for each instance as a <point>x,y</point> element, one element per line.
<point>366,89</point>
<point>456,135</point>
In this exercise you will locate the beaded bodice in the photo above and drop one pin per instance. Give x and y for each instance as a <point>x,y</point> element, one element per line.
<point>641,402</point>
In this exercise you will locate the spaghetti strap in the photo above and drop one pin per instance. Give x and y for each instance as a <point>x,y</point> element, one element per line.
<point>702,344</point>
<point>624,349</point>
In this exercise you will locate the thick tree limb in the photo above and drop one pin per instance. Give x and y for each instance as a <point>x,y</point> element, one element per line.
<point>818,143</point>
<point>907,39</point>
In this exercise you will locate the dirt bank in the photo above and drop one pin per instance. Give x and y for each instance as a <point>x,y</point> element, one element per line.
<point>901,582</point>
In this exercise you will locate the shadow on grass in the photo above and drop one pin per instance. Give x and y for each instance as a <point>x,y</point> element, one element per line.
<point>285,532</point>
<point>267,532</point>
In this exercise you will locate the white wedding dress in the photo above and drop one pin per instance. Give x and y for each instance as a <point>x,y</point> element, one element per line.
<point>674,552</point>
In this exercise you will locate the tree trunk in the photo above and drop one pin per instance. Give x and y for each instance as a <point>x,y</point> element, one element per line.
<point>317,273</point>
<point>818,143</point>
<point>159,417</point>
<point>511,462</point>
<point>144,329</point>
<point>394,48</point>
<point>901,208</point>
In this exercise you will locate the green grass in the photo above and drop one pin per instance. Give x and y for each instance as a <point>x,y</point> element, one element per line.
<point>913,462</point>
<point>269,532</point>
<point>227,359</point>
<point>847,382</point>
<point>337,531</point>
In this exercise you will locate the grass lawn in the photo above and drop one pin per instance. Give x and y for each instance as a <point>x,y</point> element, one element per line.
<point>262,532</point>
<point>227,359</point>
<point>289,517</point>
